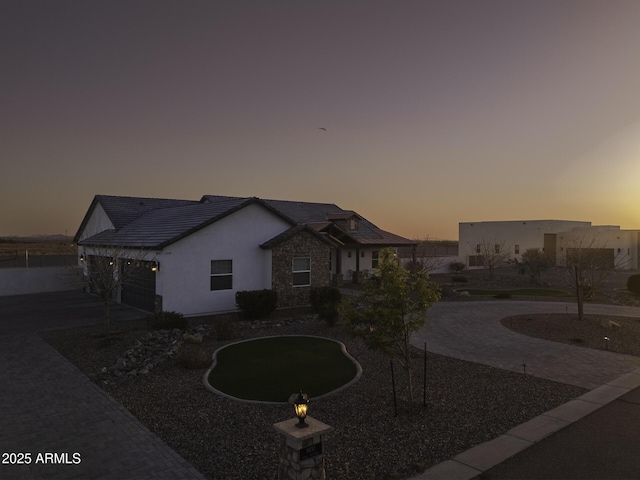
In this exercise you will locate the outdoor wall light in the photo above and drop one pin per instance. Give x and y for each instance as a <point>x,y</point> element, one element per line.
<point>300,406</point>
<point>82,257</point>
<point>155,266</point>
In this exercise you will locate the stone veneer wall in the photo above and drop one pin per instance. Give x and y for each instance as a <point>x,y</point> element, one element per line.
<point>303,244</point>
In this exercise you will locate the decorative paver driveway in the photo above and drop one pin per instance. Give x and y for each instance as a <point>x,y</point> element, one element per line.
<point>47,406</point>
<point>472,331</point>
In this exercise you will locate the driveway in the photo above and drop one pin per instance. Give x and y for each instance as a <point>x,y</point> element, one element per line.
<point>68,426</point>
<point>472,331</point>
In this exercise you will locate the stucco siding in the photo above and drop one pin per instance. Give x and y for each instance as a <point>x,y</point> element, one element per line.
<point>623,243</point>
<point>185,274</point>
<point>97,222</point>
<point>524,234</point>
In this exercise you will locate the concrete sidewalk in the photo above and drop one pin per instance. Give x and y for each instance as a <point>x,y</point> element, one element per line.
<point>592,437</point>
<point>595,436</point>
<point>49,406</point>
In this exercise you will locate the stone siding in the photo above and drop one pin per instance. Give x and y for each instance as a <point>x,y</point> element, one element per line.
<point>304,244</point>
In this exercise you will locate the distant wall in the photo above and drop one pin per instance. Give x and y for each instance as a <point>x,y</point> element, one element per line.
<point>19,281</point>
<point>441,264</point>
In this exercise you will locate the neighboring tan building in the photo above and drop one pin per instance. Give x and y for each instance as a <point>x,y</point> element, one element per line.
<point>613,247</point>
<point>553,237</point>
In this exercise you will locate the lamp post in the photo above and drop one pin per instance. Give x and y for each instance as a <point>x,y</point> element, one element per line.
<point>300,406</point>
<point>301,444</point>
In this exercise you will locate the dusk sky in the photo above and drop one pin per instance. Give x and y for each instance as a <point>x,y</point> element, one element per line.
<point>436,112</point>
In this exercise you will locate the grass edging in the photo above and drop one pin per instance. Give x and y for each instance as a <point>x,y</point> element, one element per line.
<point>527,292</point>
<point>343,348</point>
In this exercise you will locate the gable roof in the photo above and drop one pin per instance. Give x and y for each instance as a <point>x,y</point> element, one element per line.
<point>287,234</point>
<point>156,223</point>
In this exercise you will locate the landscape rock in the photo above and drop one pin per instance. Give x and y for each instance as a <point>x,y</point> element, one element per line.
<point>192,338</point>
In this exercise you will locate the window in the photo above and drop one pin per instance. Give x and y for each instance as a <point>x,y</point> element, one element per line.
<point>353,223</point>
<point>374,259</point>
<point>476,260</point>
<point>496,248</point>
<point>301,271</point>
<point>221,274</point>
<point>478,248</point>
<point>517,249</point>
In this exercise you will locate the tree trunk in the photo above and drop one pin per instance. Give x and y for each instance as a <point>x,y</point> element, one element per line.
<point>579,295</point>
<point>107,316</point>
<point>410,385</point>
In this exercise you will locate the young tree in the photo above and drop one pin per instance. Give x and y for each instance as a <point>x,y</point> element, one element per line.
<point>534,263</point>
<point>103,270</point>
<point>587,264</point>
<point>392,306</point>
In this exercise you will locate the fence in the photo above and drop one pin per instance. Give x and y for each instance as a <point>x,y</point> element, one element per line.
<point>20,281</point>
<point>24,259</point>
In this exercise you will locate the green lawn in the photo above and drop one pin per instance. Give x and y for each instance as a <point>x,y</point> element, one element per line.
<point>532,292</point>
<point>271,369</point>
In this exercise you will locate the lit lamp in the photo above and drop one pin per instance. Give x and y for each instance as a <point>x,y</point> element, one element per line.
<point>155,266</point>
<point>300,406</point>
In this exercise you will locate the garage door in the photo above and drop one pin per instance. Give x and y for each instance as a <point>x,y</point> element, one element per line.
<point>139,289</point>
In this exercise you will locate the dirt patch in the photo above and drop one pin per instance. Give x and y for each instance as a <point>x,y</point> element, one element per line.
<point>590,332</point>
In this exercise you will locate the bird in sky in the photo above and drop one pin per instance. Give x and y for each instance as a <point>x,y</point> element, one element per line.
<point>322,128</point>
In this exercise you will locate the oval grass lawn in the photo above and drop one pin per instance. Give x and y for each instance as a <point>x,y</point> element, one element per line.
<point>270,369</point>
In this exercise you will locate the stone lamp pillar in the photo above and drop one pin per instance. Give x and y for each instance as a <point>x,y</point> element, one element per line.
<point>302,449</point>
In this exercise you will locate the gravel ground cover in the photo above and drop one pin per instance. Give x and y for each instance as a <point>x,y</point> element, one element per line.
<point>466,404</point>
<point>590,332</point>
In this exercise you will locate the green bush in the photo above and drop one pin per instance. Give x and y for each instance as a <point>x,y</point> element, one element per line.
<point>167,321</point>
<point>633,284</point>
<point>459,279</point>
<point>256,304</point>
<point>324,302</point>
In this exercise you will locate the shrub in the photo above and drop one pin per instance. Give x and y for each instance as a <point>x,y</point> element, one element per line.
<point>167,321</point>
<point>256,304</point>
<point>459,279</point>
<point>324,302</point>
<point>633,284</point>
<point>193,357</point>
<point>457,267</point>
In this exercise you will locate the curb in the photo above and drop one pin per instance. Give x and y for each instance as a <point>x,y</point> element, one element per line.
<point>478,459</point>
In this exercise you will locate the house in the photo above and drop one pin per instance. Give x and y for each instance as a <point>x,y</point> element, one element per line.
<point>193,256</point>
<point>554,237</point>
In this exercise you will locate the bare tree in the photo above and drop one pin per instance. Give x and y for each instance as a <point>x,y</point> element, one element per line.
<point>105,269</point>
<point>425,258</point>
<point>587,263</point>
<point>493,253</point>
